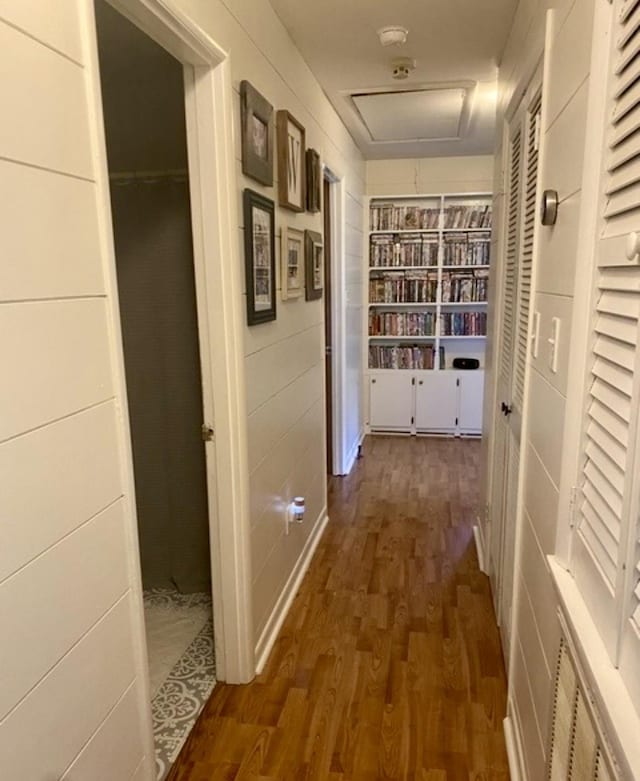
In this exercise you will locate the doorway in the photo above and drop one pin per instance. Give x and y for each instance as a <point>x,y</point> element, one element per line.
<point>328,320</point>
<point>143,99</point>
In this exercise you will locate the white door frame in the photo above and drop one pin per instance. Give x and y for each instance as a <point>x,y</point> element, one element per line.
<point>209,111</point>
<point>338,322</point>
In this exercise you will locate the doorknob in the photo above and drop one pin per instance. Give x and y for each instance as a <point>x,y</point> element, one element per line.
<point>507,410</point>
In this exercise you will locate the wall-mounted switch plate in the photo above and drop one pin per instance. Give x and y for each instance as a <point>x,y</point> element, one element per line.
<point>554,342</point>
<point>535,334</point>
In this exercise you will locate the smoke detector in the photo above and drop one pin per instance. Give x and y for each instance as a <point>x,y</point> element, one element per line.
<point>393,35</point>
<point>402,67</point>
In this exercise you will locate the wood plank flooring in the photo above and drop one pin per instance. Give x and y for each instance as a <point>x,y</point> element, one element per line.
<point>389,663</point>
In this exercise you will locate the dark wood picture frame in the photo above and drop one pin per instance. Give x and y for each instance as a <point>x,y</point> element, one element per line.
<point>314,265</point>
<point>291,162</point>
<point>259,257</point>
<point>314,181</point>
<point>257,134</point>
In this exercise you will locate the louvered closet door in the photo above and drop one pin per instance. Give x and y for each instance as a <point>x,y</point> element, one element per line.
<point>519,256</point>
<point>605,557</point>
<point>605,552</point>
<point>505,358</point>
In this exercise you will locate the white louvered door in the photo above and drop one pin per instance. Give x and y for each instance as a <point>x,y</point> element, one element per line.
<point>505,359</point>
<point>519,256</point>
<point>605,556</point>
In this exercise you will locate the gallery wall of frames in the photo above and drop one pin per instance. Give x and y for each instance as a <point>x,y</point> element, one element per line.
<point>299,252</point>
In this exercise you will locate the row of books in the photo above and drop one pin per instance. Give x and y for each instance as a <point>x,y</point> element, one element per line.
<point>389,216</point>
<point>463,324</point>
<point>466,249</point>
<point>402,323</point>
<point>411,357</point>
<point>464,287</point>
<point>411,249</point>
<point>467,216</point>
<point>404,287</point>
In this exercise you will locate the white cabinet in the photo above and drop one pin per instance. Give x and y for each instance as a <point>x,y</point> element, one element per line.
<point>471,394</point>
<point>428,402</point>
<point>391,401</point>
<point>437,402</point>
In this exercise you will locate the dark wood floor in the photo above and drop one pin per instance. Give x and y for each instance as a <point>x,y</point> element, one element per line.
<point>389,664</point>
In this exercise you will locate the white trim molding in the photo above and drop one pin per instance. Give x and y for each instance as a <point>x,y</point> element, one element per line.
<point>274,623</point>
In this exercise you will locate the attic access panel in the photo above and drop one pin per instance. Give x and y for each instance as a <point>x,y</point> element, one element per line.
<point>426,115</point>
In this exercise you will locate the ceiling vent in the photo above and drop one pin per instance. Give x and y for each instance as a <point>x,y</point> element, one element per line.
<point>435,114</point>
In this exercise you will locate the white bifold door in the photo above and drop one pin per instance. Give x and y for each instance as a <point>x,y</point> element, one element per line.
<point>513,339</point>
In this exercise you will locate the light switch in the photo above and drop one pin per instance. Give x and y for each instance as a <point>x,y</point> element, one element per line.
<point>535,334</point>
<point>554,342</point>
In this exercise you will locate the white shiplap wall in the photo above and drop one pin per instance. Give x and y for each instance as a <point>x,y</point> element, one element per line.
<point>70,663</point>
<point>535,629</point>
<point>285,358</point>
<point>71,672</point>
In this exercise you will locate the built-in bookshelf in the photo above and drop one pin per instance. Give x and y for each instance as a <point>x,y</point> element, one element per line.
<point>429,259</point>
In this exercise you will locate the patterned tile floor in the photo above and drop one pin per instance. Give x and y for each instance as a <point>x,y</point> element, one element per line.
<point>180,697</point>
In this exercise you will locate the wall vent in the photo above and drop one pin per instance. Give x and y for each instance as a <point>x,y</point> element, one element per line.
<point>579,749</point>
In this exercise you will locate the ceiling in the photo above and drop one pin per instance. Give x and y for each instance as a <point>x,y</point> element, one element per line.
<point>456,44</point>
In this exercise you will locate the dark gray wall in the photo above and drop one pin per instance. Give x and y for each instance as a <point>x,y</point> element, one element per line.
<point>154,258</point>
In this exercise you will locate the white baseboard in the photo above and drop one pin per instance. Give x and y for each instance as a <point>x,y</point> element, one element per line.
<point>279,613</point>
<point>479,540</point>
<point>353,454</point>
<point>511,727</point>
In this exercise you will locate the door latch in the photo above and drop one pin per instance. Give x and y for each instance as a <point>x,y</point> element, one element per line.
<point>207,433</point>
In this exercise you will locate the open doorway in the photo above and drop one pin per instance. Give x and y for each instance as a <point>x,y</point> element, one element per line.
<point>328,322</point>
<point>144,113</point>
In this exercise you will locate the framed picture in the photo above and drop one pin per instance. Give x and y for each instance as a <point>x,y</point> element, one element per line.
<point>314,265</point>
<point>257,134</point>
<point>292,262</point>
<point>291,162</point>
<point>314,174</point>
<point>259,257</point>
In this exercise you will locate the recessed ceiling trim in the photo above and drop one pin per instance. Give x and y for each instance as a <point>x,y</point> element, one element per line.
<point>461,131</point>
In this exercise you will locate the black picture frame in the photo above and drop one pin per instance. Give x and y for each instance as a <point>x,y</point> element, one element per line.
<point>257,129</point>
<point>259,257</point>
<point>314,181</point>
<point>314,265</point>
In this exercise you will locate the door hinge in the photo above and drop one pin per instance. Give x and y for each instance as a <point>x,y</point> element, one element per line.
<point>412,419</point>
<point>456,421</point>
<point>207,433</point>
<point>458,382</point>
<point>413,380</point>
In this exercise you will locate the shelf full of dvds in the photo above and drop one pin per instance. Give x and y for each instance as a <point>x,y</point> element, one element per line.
<point>429,259</point>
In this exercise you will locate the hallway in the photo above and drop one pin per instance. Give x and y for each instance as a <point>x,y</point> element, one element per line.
<point>388,665</point>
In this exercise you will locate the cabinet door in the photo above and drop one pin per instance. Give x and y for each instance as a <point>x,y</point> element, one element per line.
<point>471,393</point>
<point>436,402</point>
<point>391,401</point>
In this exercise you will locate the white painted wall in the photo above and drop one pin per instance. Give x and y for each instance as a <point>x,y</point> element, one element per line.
<point>535,629</point>
<point>71,677</point>
<point>285,358</point>
<point>430,175</point>
<point>70,643</point>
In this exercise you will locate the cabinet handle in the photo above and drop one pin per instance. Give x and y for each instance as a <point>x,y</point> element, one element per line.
<point>373,381</point>
<point>420,382</point>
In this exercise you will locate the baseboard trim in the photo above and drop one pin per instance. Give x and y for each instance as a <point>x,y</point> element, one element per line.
<point>276,619</point>
<point>353,454</point>
<point>511,727</point>
<point>479,540</point>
